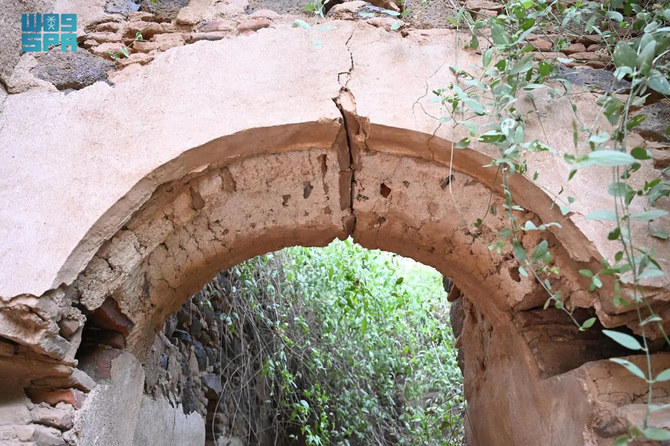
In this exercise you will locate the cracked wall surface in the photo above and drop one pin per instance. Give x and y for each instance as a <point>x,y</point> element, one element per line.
<point>156,192</point>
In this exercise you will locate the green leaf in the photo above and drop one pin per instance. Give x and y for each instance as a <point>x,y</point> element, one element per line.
<point>621,441</point>
<point>635,121</point>
<point>523,272</point>
<point>519,251</point>
<point>486,57</point>
<point>610,158</point>
<point>655,433</point>
<point>298,23</point>
<point>390,12</point>
<point>660,234</point>
<point>623,339</point>
<point>663,376</point>
<point>600,138</point>
<point>646,57</point>
<point>539,252</point>
<point>310,7</point>
<point>612,108</point>
<point>651,27</point>
<point>545,68</point>
<point>619,189</point>
<point>595,280</point>
<point>649,215</point>
<point>492,136</point>
<point>476,106</point>
<point>658,82</point>
<point>529,226</point>
<point>651,272</point>
<point>635,370</point>
<point>650,319</point>
<point>624,55</point>
<point>463,143</point>
<point>499,35</point>
<point>471,126</point>
<point>640,153</point>
<point>588,323</point>
<point>523,65</point>
<point>616,16</point>
<point>474,43</point>
<point>396,25</point>
<point>586,272</point>
<point>504,233</point>
<point>601,214</point>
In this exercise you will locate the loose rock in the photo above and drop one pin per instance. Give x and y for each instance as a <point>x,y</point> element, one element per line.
<point>73,70</point>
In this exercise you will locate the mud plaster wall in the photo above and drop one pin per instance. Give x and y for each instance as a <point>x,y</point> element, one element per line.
<point>211,220</point>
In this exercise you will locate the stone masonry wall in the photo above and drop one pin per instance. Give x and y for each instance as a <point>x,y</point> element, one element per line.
<point>202,363</point>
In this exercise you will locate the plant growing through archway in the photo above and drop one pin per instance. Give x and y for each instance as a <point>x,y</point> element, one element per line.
<point>356,346</point>
<point>637,36</point>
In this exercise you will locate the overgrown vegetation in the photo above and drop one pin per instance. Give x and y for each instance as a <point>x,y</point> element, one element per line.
<point>636,34</point>
<point>355,346</point>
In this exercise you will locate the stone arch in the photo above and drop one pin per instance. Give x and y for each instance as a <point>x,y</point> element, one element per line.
<point>196,194</point>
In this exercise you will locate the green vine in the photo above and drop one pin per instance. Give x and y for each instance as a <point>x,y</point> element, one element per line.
<point>637,36</point>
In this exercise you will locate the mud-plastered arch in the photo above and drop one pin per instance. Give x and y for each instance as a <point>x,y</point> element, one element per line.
<point>211,219</point>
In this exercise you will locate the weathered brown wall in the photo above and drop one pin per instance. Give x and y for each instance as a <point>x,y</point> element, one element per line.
<point>193,227</point>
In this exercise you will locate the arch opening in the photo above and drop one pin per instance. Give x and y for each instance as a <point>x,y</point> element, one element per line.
<point>278,343</point>
<point>213,218</point>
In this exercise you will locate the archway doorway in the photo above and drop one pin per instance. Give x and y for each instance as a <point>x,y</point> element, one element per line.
<point>313,346</point>
<point>212,219</point>
<point>215,175</point>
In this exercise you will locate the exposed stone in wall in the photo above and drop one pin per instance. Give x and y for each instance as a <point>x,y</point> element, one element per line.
<point>201,364</point>
<point>71,70</point>
<point>171,23</point>
<point>656,129</point>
